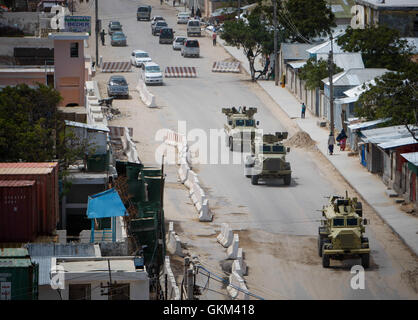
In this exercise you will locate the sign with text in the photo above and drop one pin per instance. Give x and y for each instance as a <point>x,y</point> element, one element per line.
<point>78,24</point>
<point>5,291</point>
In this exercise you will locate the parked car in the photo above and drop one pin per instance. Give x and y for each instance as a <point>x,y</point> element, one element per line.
<point>166,35</point>
<point>143,13</point>
<point>151,73</point>
<point>158,26</point>
<point>183,17</point>
<point>155,19</point>
<point>178,42</point>
<point>139,57</point>
<point>193,28</point>
<point>118,39</point>
<point>117,86</point>
<point>114,26</point>
<point>190,48</point>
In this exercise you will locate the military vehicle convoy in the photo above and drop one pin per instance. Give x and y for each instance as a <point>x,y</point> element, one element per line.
<point>268,159</point>
<point>240,128</point>
<point>341,234</point>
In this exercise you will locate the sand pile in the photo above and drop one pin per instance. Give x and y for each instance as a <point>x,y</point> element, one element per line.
<point>300,140</point>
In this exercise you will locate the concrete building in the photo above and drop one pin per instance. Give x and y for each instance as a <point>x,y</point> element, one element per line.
<point>397,14</point>
<point>84,278</point>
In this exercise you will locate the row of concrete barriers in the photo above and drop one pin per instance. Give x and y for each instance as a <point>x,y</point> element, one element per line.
<point>147,97</point>
<point>187,176</point>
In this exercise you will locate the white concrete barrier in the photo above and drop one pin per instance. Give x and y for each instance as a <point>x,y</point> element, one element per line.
<point>240,259</point>
<point>226,236</point>
<point>183,172</point>
<point>172,288</point>
<point>173,242</point>
<point>236,267</point>
<point>205,215</point>
<point>236,281</point>
<point>232,251</point>
<point>147,97</point>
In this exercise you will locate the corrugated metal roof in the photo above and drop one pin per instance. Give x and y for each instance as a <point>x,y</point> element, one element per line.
<point>345,60</point>
<point>411,157</point>
<point>16,183</point>
<point>366,124</point>
<point>295,51</point>
<point>297,65</point>
<point>357,91</point>
<point>413,42</point>
<point>325,47</point>
<point>28,164</point>
<point>44,269</point>
<point>393,4</point>
<point>397,143</point>
<point>98,127</point>
<point>355,77</point>
<point>13,252</point>
<point>7,171</point>
<point>381,135</point>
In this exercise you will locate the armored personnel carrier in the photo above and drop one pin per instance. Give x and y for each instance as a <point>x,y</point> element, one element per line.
<point>268,159</point>
<point>341,234</point>
<point>240,127</point>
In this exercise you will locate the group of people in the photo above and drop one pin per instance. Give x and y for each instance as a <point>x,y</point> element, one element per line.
<point>341,139</point>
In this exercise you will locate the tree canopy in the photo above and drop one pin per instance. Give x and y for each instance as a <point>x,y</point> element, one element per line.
<point>254,37</point>
<point>381,47</point>
<point>314,71</point>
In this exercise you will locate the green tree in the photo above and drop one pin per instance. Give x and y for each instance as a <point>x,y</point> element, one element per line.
<point>380,47</point>
<point>254,37</point>
<point>394,96</point>
<point>314,71</point>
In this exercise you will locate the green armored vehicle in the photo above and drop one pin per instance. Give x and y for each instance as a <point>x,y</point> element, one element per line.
<point>268,159</point>
<point>240,128</point>
<point>341,234</point>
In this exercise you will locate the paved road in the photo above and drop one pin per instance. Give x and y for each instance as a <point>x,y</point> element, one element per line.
<point>278,223</point>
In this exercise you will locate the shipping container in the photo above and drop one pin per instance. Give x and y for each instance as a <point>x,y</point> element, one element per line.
<point>46,176</point>
<point>18,211</point>
<point>19,277</point>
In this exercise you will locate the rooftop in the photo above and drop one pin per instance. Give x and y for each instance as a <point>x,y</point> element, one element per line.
<point>345,60</point>
<point>390,4</point>
<point>397,143</point>
<point>296,51</point>
<point>355,77</point>
<point>411,157</point>
<point>380,135</point>
<point>16,183</point>
<point>342,8</point>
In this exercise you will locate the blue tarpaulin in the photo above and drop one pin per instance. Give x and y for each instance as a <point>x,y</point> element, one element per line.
<point>105,204</point>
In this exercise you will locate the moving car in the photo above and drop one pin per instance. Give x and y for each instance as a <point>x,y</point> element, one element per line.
<point>157,27</point>
<point>143,13</point>
<point>190,48</point>
<point>178,42</point>
<point>155,19</point>
<point>166,35</point>
<point>139,57</point>
<point>193,28</point>
<point>117,86</point>
<point>151,73</point>
<point>113,27</point>
<point>183,17</point>
<point>118,39</point>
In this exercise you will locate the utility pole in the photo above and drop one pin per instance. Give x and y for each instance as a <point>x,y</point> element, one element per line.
<point>97,32</point>
<point>331,86</point>
<point>276,66</point>
<point>239,9</point>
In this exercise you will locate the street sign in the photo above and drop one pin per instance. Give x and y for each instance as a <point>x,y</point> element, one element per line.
<point>78,24</point>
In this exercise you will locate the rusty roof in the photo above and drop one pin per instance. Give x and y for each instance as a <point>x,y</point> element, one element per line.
<point>10,171</point>
<point>16,183</point>
<point>28,164</point>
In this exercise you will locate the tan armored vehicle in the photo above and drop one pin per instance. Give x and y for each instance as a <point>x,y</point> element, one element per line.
<point>341,234</point>
<point>240,128</point>
<point>268,159</point>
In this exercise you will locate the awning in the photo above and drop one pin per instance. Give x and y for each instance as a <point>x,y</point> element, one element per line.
<point>105,204</point>
<point>397,143</point>
<point>362,125</point>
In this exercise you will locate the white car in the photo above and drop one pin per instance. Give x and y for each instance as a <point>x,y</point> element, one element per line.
<point>178,42</point>
<point>183,17</point>
<point>151,73</point>
<point>139,57</point>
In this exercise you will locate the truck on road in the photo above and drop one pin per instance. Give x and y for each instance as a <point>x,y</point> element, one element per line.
<point>268,159</point>
<point>341,234</point>
<point>240,128</point>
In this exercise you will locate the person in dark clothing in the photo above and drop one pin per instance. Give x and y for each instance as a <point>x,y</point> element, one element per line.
<point>192,11</point>
<point>331,143</point>
<point>198,13</point>
<point>342,139</point>
<point>102,37</point>
<point>303,110</point>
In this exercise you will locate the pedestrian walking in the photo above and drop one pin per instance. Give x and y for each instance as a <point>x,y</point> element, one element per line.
<point>102,37</point>
<point>303,110</point>
<point>198,13</point>
<point>331,143</point>
<point>192,11</point>
<point>214,37</point>
<point>342,139</point>
<point>174,3</point>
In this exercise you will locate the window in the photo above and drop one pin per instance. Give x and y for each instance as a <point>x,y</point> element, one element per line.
<point>278,149</point>
<point>239,123</point>
<point>266,148</point>
<point>249,123</point>
<point>352,222</point>
<point>74,50</point>
<point>120,292</point>
<point>338,222</point>
<point>80,292</point>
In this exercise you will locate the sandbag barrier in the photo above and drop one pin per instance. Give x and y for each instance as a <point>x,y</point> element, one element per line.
<point>187,176</point>
<point>147,97</point>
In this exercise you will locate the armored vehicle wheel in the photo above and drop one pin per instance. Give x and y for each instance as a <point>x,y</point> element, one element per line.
<point>320,243</point>
<point>231,144</point>
<point>365,260</point>
<point>254,180</point>
<point>287,179</point>
<point>325,261</point>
